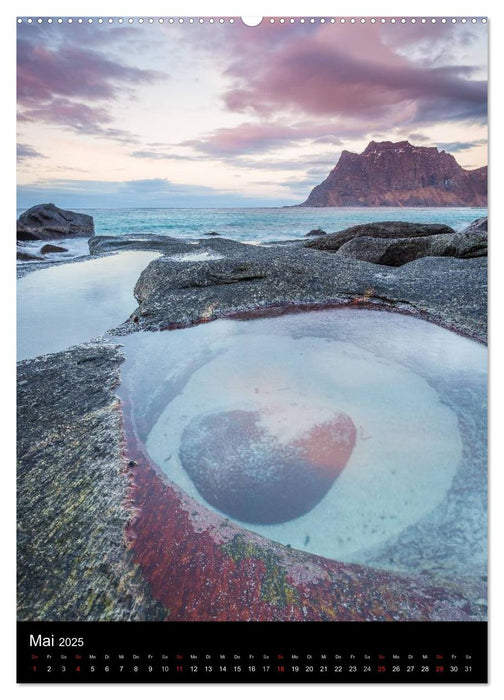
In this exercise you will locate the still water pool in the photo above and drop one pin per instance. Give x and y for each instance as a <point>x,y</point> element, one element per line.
<point>330,431</point>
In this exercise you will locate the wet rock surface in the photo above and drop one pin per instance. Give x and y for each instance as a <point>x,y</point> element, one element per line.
<point>72,492</point>
<point>163,244</point>
<point>46,222</point>
<point>171,293</point>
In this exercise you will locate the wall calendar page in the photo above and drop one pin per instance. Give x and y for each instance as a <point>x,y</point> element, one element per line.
<point>252,349</point>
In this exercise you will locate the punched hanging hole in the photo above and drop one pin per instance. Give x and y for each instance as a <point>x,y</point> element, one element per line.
<point>252,21</point>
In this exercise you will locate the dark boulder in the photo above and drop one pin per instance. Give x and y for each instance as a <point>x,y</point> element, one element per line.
<point>382,229</point>
<point>385,251</point>
<point>477,226</point>
<point>50,248</point>
<point>466,244</point>
<point>315,232</point>
<point>26,257</point>
<point>399,251</point>
<point>212,233</point>
<point>46,222</point>
<point>24,234</point>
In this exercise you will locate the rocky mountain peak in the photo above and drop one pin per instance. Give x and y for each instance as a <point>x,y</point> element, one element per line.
<point>399,173</point>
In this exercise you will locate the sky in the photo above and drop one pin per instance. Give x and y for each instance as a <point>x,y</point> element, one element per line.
<point>213,115</point>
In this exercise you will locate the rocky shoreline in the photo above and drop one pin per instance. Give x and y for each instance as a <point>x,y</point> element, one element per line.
<point>103,534</point>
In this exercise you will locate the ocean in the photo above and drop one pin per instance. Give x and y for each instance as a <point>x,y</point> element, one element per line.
<point>266,225</point>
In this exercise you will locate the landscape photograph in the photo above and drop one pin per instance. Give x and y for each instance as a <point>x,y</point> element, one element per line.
<point>252,319</point>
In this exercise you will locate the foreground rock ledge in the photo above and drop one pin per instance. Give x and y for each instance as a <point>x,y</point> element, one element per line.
<point>102,536</point>
<point>72,488</point>
<point>173,292</point>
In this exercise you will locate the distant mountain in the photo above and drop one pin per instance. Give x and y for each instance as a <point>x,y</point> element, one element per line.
<point>400,175</point>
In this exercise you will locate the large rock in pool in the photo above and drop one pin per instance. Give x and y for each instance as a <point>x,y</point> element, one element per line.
<point>46,222</point>
<point>245,471</point>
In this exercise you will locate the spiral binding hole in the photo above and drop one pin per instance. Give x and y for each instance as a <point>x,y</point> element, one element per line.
<point>252,21</point>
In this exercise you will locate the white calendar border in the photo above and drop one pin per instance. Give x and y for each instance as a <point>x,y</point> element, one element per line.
<point>313,8</point>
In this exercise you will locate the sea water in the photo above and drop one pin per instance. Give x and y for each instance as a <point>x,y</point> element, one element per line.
<point>265,225</point>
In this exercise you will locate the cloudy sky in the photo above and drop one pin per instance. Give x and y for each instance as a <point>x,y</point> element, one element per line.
<point>213,115</point>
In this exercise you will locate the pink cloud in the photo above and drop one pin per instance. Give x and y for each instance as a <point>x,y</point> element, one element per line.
<point>73,86</point>
<point>259,137</point>
<point>250,137</point>
<point>347,71</point>
<point>72,72</point>
<point>62,111</point>
<point>23,151</point>
<point>78,117</point>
